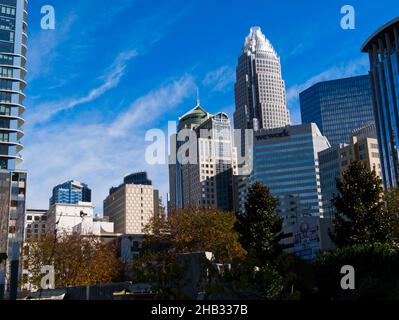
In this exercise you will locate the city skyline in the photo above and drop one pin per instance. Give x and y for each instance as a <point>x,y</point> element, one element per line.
<point>100,122</point>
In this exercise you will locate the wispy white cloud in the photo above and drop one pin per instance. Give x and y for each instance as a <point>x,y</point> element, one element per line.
<point>152,105</point>
<point>352,68</point>
<point>98,153</point>
<point>220,79</point>
<point>43,45</point>
<point>109,80</point>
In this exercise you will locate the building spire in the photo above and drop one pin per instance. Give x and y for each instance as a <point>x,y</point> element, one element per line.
<point>198,98</point>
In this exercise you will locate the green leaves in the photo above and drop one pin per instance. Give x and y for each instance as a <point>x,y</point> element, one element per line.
<point>361,213</point>
<point>260,225</point>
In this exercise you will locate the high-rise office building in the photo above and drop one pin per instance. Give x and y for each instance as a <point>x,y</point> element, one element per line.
<point>383,49</point>
<point>334,161</point>
<point>259,90</point>
<point>286,161</point>
<point>132,205</point>
<point>206,175</point>
<point>70,192</point>
<point>13,49</point>
<point>338,107</point>
<point>189,121</point>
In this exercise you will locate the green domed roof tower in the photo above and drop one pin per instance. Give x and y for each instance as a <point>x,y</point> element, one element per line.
<point>193,118</point>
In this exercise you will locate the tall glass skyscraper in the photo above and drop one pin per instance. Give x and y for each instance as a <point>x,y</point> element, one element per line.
<point>13,49</point>
<point>338,107</point>
<point>383,50</point>
<point>259,90</point>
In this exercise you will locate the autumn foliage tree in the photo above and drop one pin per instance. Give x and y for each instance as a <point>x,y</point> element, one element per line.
<point>195,230</point>
<point>77,260</point>
<point>184,231</point>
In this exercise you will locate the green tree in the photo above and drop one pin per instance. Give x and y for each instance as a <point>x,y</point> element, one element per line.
<point>392,205</point>
<point>376,275</point>
<point>260,226</point>
<point>361,214</point>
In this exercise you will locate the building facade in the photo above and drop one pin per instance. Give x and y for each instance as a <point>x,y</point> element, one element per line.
<point>70,192</point>
<point>13,50</point>
<point>307,238</point>
<point>35,224</point>
<point>131,206</point>
<point>260,95</point>
<point>338,107</point>
<point>334,161</point>
<point>286,161</point>
<point>205,161</point>
<point>383,49</point>
<point>62,218</point>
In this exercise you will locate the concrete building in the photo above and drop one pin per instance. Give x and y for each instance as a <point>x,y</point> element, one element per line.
<point>383,50</point>
<point>35,223</point>
<point>338,107</point>
<point>70,192</point>
<point>63,218</point>
<point>286,160</point>
<point>131,206</point>
<point>333,162</point>
<point>13,39</point>
<point>202,175</point>
<point>99,228</point>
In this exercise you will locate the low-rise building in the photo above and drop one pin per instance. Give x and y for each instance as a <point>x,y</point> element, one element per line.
<point>63,218</point>
<point>35,223</point>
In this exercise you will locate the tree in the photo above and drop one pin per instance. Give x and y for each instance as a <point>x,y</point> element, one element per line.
<point>77,261</point>
<point>392,206</point>
<point>260,226</point>
<point>375,266</point>
<point>195,230</point>
<point>183,231</point>
<point>361,215</point>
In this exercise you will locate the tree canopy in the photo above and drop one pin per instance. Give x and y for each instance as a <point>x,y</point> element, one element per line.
<point>77,260</point>
<point>361,212</point>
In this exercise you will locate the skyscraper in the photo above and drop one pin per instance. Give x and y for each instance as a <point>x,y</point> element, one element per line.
<point>259,90</point>
<point>70,192</point>
<point>383,49</point>
<point>286,160</point>
<point>338,107</point>
<point>13,49</point>
<point>205,176</point>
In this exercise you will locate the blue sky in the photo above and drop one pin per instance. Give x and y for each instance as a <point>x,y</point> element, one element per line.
<point>111,70</point>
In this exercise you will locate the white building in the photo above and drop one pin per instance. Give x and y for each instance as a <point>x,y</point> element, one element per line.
<point>65,217</point>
